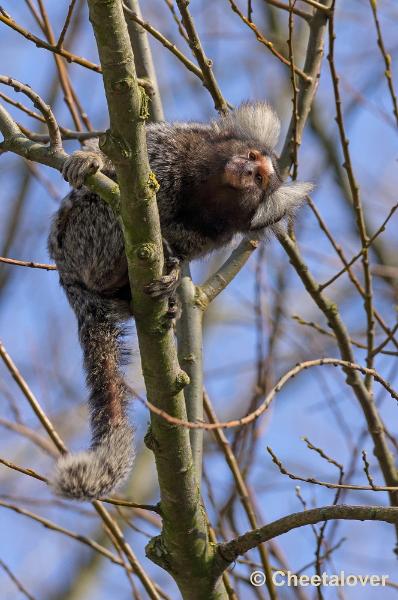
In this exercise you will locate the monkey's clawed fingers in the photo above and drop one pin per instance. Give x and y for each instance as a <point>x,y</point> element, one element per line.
<point>173,309</point>
<point>80,165</point>
<point>164,286</point>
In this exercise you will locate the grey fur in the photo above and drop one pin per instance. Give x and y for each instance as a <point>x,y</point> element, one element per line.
<point>92,474</point>
<point>200,210</point>
<point>285,202</point>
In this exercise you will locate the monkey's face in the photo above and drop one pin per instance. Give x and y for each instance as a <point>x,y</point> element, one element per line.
<point>241,181</point>
<point>251,171</point>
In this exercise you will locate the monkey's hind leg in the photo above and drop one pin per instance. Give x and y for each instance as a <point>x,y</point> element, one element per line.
<point>166,286</point>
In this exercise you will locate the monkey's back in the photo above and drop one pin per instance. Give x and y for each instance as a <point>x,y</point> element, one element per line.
<point>86,239</point>
<point>86,243</point>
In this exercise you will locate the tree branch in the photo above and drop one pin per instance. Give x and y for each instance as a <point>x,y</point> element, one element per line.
<point>79,60</point>
<point>229,551</point>
<point>205,64</point>
<point>143,57</point>
<point>131,16</point>
<point>15,141</point>
<point>189,332</point>
<point>183,548</point>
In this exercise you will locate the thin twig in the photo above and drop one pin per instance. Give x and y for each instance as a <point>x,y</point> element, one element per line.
<point>370,330</point>
<point>66,24</point>
<point>16,581</point>
<point>66,134</point>
<point>130,504</point>
<point>48,115</point>
<point>355,343</point>
<point>386,57</point>
<point>79,60</point>
<point>34,12</point>
<point>321,533</point>
<point>30,472</point>
<point>126,548</point>
<point>241,486</point>
<point>181,30</point>
<point>270,396</point>
<point>263,40</point>
<point>30,434</point>
<point>328,484</point>
<point>165,42</point>
<point>370,241</point>
<point>295,91</point>
<point>8,20</point>
<point>24,109</point>
<point>297,11</point>
<point>63,74</point>
<point>390,336</point>
<point>25,389</point>
<point>318,5</point>
<point>71,534</point>
<point>366,468</point>
<point>206,65</point>
<point>350,273</point>
<point>25,263</point>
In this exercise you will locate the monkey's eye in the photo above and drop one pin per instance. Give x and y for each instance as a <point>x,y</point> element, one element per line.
<point>259,178</point>
<point>252,155</point>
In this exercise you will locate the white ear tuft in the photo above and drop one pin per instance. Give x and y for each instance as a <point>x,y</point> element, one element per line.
<point>255,120</point>
<point>280,206</point>
<point>292,195</point>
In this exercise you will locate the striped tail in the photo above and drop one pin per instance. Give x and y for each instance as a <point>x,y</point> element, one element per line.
<point>96,472</point>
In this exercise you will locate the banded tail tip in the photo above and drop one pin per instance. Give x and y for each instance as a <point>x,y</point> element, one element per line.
<point>97,472</point>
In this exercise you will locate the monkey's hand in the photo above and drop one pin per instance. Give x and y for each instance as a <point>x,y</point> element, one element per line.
<point>165,286</point>
<point>80,165</point>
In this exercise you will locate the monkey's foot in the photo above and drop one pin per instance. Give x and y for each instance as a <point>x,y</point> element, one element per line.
<point>173,310</point>
<point>80,165</point>
<point>165,286</point>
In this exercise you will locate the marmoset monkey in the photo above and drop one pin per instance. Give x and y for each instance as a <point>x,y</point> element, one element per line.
<point>216,180</point>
